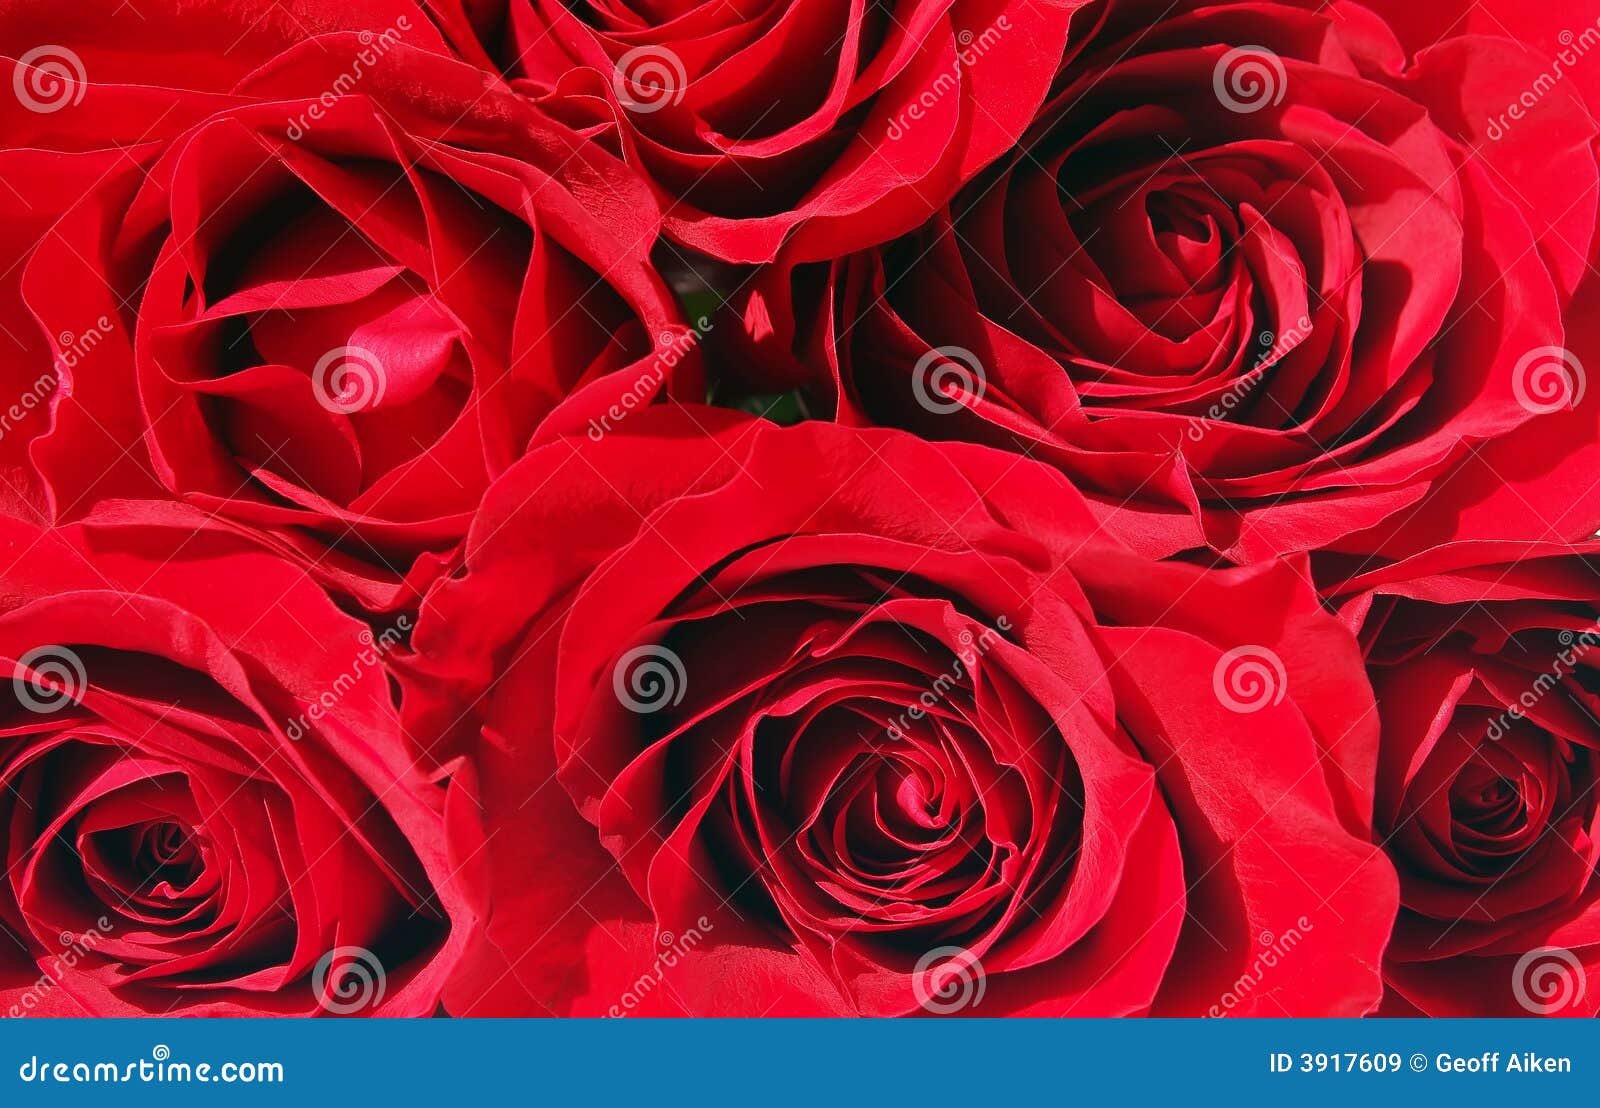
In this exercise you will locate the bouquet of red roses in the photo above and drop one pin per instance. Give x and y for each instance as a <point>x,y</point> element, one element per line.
<point>800,507</point>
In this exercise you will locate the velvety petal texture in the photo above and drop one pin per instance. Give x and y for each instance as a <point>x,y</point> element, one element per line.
<point>209,805</point>
<point>870,741</point>
<point>1482,657</point>
<point>816,126</point>
<point>1261,278</point>
<point>324,289</point>
<point>815,508</point>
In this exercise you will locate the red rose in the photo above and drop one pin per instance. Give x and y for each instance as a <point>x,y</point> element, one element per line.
<point>324,287</point>
<point>1257,279</point>
<point>815,720</point>
<point>208,800</point>
<point>828,127</point>
<point>1483,658</point>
